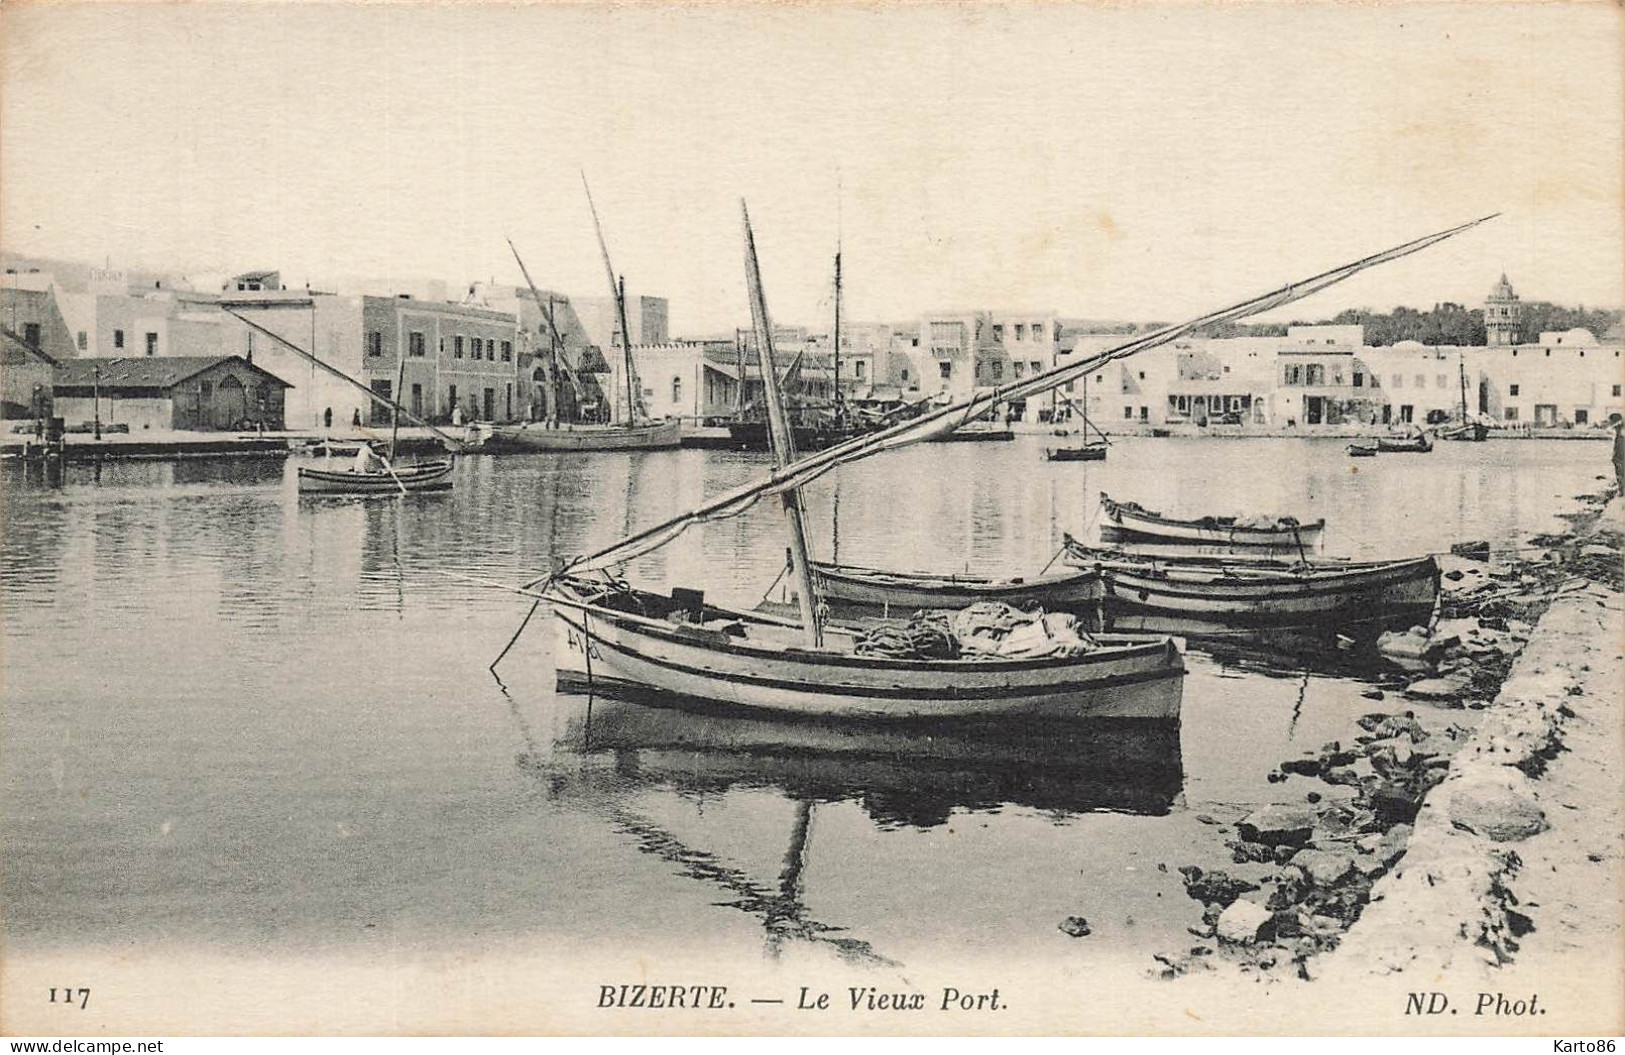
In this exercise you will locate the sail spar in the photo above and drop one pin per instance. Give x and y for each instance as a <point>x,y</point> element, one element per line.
<point>947,418</point>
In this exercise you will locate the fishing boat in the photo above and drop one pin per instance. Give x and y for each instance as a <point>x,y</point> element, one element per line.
<point>1361,450</point>
<point>1084,450</point>
<point>403,479</point>
<point>677,643</point>
<point>538,436</point>
<point>977,432</point>
<point>608,632</point>
<point>1417,444</point>
<point>634,429</point>
<point>1264,593</point>
<point>1135,521</point>
<point>1076,591</point>
<point>1466,429</point>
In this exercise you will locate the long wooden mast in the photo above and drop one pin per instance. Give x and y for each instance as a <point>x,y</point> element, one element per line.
<point>617,290</point>
<point>783,441</point>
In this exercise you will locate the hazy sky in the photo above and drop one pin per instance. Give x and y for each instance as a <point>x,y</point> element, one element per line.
<point>1102,161</point>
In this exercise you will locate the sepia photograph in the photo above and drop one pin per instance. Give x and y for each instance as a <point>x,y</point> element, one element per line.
<point>869,518</point>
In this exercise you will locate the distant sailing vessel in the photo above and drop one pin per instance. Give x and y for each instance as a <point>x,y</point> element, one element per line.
<point>1467,429</point>
<point>1134,520</point>
<point>1084,451</point>
<point>635,430</point>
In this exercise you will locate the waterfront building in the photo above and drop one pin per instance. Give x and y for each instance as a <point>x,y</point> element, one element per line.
<point>700,380</point>
<point>455,355</point>
<point>1566,379</point>
<point>649,318</point>
<point>169,392</point>
<point>533,347</point>
<point>29,309</point>
<point>961,352</point>
<point>26,377</point>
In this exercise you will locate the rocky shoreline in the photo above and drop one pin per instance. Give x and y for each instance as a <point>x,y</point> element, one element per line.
<point>1304,870</point>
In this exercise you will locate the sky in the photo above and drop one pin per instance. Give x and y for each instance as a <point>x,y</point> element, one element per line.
<point>1104,161</point>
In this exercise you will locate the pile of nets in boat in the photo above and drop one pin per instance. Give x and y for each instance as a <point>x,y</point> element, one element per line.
<point>984,629</point>
<point>1265,522</point>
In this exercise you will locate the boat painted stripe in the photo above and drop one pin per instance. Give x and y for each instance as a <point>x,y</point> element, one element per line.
<point>991,692</point>
<point>1274,589</point>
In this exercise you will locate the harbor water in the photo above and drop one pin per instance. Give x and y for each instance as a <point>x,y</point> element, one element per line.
<point>238,717</point>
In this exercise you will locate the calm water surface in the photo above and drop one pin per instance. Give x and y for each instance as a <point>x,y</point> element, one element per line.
<point>235,716</point>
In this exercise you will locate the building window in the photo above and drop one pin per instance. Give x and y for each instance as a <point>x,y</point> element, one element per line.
<point>676,390</point>
<point>415,346</point>
<point>995,370</point>
<point>1038,331</point>
<point>451,398</point>
<point>31,334</point>
<point>1421,381</point>
<point>83,340</point>
<point>1145,413</point>
<point>905,378</point>
<point>457,348</point>
<point>1512,390</point>
<point>1399,381</point>
<point>946,369</point>
<point>998,332</point>
<point>1512,413</point>
<point>1142,375</point>
<point>1021,369</point>
<point>1128,413</point>
<point>507,351</point>
<point>1021,331</point>
<point>1035,366</point>
<point>1359,379</point>
<point>491,349</point>
<point>1582,417</point>
<point>477,347</point>
<point>1616,390</point>
<point>857,368</point>
<point>375,343</point>
<point>152,344</point>
<point>1442,380</point>
<point>417,400</point>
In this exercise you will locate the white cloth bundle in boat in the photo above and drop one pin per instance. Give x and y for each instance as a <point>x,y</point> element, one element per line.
<point>997,629</point>
<point>1264,521</point>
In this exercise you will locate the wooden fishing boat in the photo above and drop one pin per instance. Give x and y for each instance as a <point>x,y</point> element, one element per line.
<point>1136,521</point>
<point>1266,593</point>
<point>424,476</point>
<point>614,634</point>
<point>1418,444</point>
<point>1471,432</point>
<point>1083,452</point>
<point>976,432</point>
<point>1076,591</point>
<point>536,436</point>
<point>1360,450</point>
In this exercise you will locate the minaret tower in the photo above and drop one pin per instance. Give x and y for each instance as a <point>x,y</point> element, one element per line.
<point>1501,315</point>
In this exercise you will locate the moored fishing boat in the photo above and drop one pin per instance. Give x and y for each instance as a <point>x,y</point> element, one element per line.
<point>1083,452</point>
<point>1417,444</point>
<point>1077,590</point>
<point>424,476</point>
<point>537,436</point>
<point>1266,593</point>
<point>1471,432</point>
<point>608,632</point>
<point>1135,520</point>
<point>1360,450</point>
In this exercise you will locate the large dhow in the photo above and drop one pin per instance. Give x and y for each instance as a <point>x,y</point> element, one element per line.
<point>680,644</point>
<point>1135,521</point>
<point>632,429</point>
<point>370,474</point>
<point>1223,592</point>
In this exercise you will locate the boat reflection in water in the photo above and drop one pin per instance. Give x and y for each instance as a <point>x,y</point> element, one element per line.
<point>915,774</point>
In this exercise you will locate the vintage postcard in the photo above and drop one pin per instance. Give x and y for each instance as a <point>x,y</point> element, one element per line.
<point>861,518</point>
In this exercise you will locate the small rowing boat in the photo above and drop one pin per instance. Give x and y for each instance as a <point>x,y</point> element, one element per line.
<point>1417,444</point>
<point>1083,452</point>
<point>1136,521</point>
<point>1076,591</point>
<point>1265,593</point>
<point>424,476</point>
<point>1360,450</point>
<point>678,644</point>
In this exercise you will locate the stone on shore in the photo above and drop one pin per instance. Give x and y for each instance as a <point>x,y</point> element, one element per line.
<point>1075,926</point>
<point>1241,922</point>
<point>1450,688</point>
<point>1323,867</point>
<point>1278,825</point>
<point>1214,888</point>
<point>1499,806</point>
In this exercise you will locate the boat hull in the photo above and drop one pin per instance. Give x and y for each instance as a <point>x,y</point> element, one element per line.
<point>1421,446</point>
<point>1139,523</point>
<point>534,437</point>
<point>1093,452</point>
<point>1390,593</point>
<point>425,476</point>
<point>1138,678</point>
<point>1076,591</point>
<point>1471,433</point>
